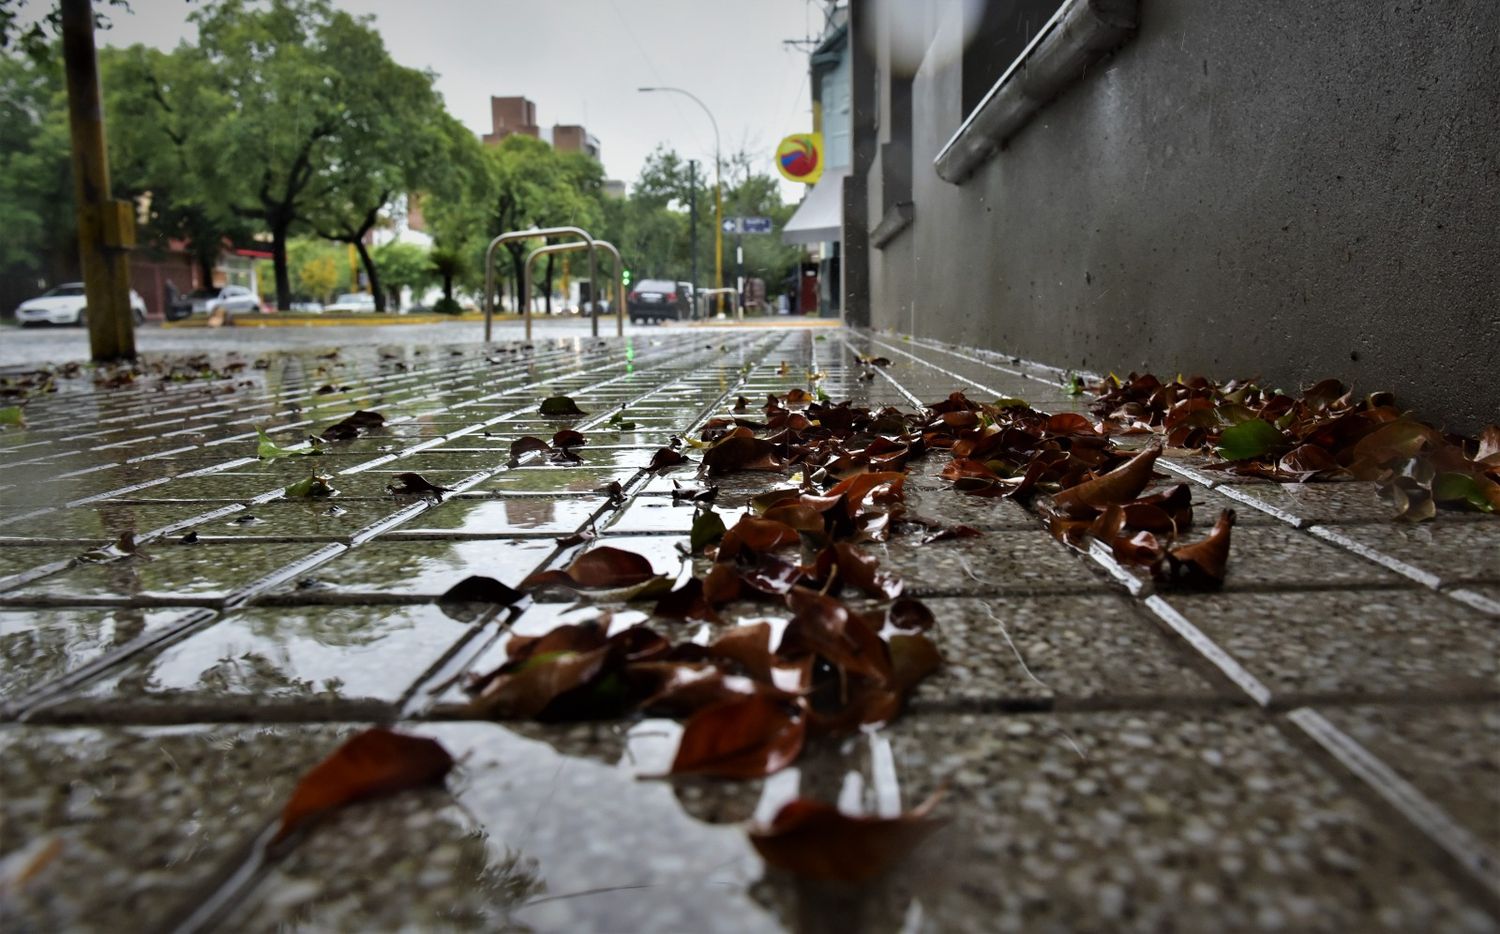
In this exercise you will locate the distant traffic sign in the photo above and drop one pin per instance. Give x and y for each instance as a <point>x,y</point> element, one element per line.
<point>744,225</point>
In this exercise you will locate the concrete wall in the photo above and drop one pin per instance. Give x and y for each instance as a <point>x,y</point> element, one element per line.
<point>1280,189</point>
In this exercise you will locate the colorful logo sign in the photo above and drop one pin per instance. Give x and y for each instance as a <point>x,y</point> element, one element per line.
<point>800,157</point>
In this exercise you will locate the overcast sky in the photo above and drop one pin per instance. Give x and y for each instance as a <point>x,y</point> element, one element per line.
<point>581,61</point>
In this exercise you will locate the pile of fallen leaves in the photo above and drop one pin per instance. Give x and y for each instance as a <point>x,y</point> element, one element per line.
<point>1082,483</point>
<point>753,696</point>
<point>1325,433</point>
<point>854,647</point>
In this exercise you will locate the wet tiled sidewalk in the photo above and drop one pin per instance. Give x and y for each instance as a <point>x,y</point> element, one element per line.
<point>1315,747</point>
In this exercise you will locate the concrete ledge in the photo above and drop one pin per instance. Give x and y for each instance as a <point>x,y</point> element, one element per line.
<point>1080,33</point>
<point>897,219</point>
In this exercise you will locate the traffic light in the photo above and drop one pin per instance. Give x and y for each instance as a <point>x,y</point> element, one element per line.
<point>626,276</point>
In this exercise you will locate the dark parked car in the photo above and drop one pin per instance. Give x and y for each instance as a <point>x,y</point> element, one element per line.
<point>660,300</point>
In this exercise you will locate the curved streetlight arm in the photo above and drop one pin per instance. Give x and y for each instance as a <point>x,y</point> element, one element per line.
<point>700,103</point>
<point>718,182</point>
<point>598,245</point>
<point>544,233</point>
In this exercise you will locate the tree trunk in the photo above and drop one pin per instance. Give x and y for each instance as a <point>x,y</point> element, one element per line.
<point>447,287</point>
<point>517,260</point>
<point>369,264</point>
<point>278,259</point>
<point>547,289</point>
<point>206,269</point>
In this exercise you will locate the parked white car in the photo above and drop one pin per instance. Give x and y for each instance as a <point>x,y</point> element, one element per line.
<point>353,301</point>
<point>67,304</point>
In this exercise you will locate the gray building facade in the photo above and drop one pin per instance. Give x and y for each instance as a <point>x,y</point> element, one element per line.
<point>1283,190</point>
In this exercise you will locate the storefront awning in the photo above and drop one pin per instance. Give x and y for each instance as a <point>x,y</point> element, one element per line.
<point>820,219</point>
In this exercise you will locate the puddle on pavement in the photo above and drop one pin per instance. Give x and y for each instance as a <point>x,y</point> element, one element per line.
<point>326,661</point>
<point>40,645</point>
<point>424,567</point>
<point>507,515</point>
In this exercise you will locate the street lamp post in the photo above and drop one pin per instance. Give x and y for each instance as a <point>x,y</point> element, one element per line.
<point>718,190</point>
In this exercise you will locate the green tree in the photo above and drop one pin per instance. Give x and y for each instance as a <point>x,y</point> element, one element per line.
<point>36,182</point>
<point>149,157</point>
<point>407,136</point>
<point>531,185</point>
<point>403,265</point>
<point>278,101</point>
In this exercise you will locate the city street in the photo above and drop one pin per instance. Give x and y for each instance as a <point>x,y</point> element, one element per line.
<point>22,346</point>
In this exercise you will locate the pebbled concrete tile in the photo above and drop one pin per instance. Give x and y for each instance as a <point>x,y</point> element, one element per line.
<point>207,570</point>
<point>1056,651</point>
<point>424,568</point>
<point>1352,643</point>
<point>532,834</point>
<point>136,820</point>
<point>1454,551</point>
<point>1226,824</point>
<point>1451,753</point>
<point>303,663</point>
<point>106,520</point>
<point>996,562</point>
<point>506,515</point>
<point>1277,555</point>
<point>40,645</point>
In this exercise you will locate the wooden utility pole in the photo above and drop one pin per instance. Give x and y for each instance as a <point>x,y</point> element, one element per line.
<point>106,227</point>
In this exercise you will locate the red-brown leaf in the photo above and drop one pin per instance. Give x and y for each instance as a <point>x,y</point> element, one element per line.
<point>373,763</point>
<point>527,445</point>
<point>862,569</point>
<point>1117,487</point>
<point>601,568</point>
<point>749,737</point>
<point>816,841</point>
<point>1201,563</point>
<point>665,459</point>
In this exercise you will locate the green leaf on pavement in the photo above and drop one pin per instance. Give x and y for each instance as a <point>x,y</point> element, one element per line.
<point>1460,487</point>
<point>270,450</point>
<point>1248,439</point>
<point>11,415</point>
<point>707,529</point>
<point>314,487</point>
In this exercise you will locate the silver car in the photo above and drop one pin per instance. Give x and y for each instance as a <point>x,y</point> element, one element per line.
<point>235,299</point>
<point>67,304</point>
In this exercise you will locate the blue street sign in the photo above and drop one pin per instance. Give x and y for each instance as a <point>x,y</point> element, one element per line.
<point>744,225</point>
